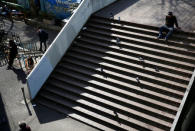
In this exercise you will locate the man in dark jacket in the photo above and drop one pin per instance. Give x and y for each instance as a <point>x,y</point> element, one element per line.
<point>12,53</point>
<point>43,36</point>
<point>170,21</point>
<point>24,127</point>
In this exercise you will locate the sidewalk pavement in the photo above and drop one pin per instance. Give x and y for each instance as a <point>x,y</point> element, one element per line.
<point>27,33</point>
<point>153,12</point>
<point>12,104</point>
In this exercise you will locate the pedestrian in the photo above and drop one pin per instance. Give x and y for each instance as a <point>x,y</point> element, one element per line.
<point>13,51</point>
<point>24,127</point>
<point>170,21</point>
<point>43,36</point>
<point>2,33</point>
<point>37,6</point>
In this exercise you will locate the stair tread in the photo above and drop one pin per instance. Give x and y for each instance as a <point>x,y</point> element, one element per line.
<point>129,46</point>
<point>50,104</point>
<point>141,30</point>
<point>132,79</point>
<point>84,110</point>
<point>111,97</point>
<point>83,98</point>
<point>111,40</point>
<point>133,60</point>
<point>126,71</point>
<point>148,27</point>
<point>147,38</point>
<point>127,83</point>
<point>142,64</point>
<point>171,108</point>
<point>105,57</point>
<point>77,61</point>
<point>150,54</point>
<point>134,55</point>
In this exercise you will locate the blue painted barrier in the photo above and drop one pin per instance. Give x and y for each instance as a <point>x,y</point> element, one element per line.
<point>58,8</point>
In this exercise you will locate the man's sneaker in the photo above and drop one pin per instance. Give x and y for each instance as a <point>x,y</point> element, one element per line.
<point>159,37</point>
<point>166,40</point>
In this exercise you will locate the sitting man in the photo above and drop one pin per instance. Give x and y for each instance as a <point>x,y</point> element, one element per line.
<point>169,26</point>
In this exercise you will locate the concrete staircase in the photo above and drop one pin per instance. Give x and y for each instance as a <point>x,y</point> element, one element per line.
<point>118,76</point>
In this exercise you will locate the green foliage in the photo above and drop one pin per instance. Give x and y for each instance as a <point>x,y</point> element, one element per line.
<point>14,6</point>
<point>45,15</point>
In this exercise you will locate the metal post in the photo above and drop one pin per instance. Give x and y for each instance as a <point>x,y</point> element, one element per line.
<point>26,102</point>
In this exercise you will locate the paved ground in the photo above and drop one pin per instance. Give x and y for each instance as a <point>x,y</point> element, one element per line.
<point>12,105</point>
<point>28,33</point>
<point>152,12</point>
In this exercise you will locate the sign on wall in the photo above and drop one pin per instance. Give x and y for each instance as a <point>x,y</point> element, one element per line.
<point>59,8</point>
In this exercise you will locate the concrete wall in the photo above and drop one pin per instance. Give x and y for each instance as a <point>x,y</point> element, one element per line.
<point>62,42</point>
<point>183,109</point>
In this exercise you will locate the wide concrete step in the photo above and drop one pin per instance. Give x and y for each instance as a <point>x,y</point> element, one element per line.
<point>133,74</point>
<point>113,77</point>
<point>130,60</point>
<point>136,39</point>
<point>149,93</point>
<point>125,55</point>
<point>87,107</point>
<point>167,90</point>
<point>112,94</point>
<point>177,87</point>
<point>170,109</point>
<point>151,85</point>
<point>175,36</point>
<point>77,93</point>
<point>181,49</point>
<point>142,46</point>
<point>144,50</point>
<point>142,37</point>
<point>114,47</point>
<point>147,27</point>
<point>64,106</point>
<point>177,93</point>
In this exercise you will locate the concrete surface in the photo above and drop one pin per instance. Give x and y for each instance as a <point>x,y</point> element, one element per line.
<point>50,120</point>
<point>183,104</point>
<point>152,12</point>
<point>28,33</point>
<point>12,106</point>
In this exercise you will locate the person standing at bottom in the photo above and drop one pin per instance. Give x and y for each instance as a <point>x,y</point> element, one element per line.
<point>12,53</point>
<point>24,127</point>
<point>43,36</point>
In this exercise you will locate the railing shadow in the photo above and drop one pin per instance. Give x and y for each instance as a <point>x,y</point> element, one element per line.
<point>46,115</point>
<point>21,75</point>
